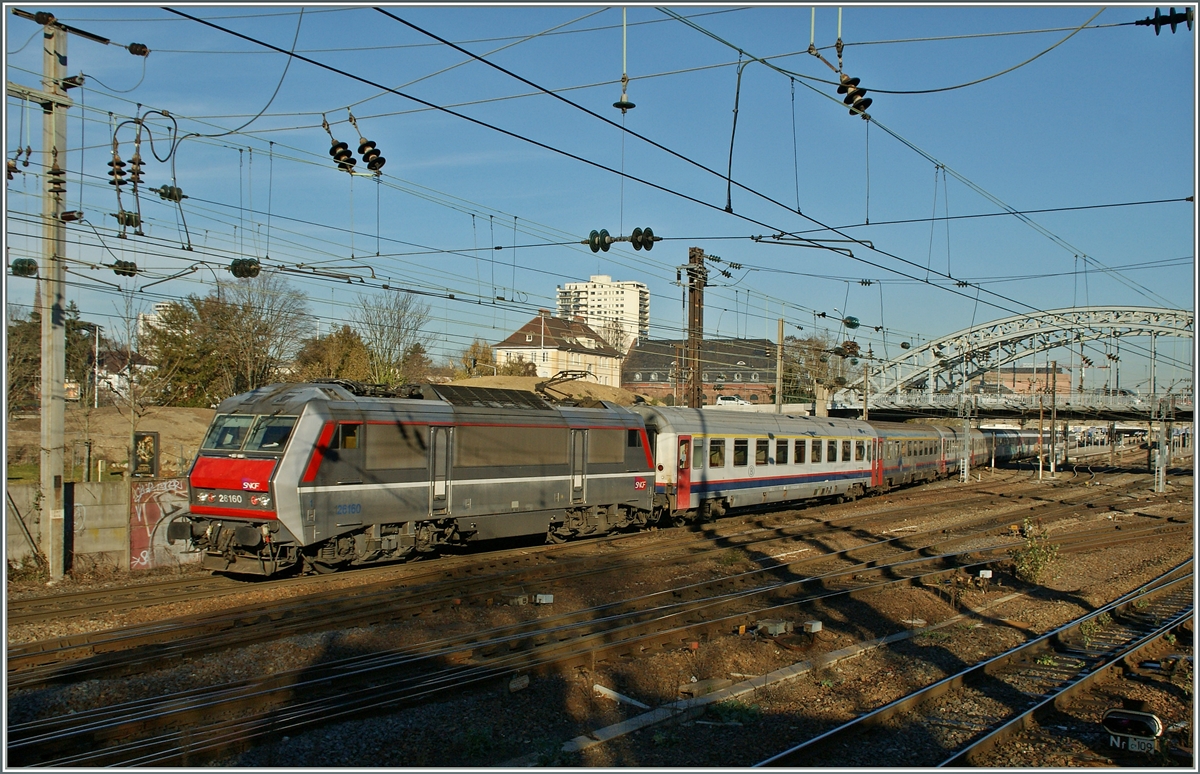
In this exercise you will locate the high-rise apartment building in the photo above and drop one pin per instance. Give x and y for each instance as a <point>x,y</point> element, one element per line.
<point>615,310</point>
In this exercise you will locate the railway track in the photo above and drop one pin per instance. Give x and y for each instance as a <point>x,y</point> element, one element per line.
<point>44,608</point>
<point>113,652</point>
<point>958,720</point>
<point>195,725</point>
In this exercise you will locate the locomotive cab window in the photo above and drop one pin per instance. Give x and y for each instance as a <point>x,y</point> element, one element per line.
<point>346,436</point>
<point>633,439</point>
<point>270,434</point>
<point>228,431</point>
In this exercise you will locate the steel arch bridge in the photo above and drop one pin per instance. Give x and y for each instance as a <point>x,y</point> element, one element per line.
<point>947,364</point>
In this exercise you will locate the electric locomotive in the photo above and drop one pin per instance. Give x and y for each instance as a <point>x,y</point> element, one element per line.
<point>338,474</point>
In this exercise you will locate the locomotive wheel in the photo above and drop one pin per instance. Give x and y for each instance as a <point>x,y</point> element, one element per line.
<point>678,520</point>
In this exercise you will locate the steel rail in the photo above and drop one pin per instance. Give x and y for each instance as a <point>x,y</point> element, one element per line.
<point>227,630</point>
<point>1059,642</point>
<point>196,708</point>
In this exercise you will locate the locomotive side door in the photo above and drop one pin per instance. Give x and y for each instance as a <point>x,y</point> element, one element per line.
<point>439,468</point>
<point>578,461</point>
<point>683,474</point>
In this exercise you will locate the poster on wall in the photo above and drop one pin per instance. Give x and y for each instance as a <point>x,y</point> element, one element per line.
<point>153,504</point>
<point>145,449</point>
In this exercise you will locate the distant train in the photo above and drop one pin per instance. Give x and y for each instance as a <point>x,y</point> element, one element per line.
<point>329,475</point>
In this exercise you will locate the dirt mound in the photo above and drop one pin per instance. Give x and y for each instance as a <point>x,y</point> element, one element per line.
<point>180,431</point>
<point>576,389</point>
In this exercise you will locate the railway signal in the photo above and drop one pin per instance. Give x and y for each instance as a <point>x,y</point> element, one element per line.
<point>856,98</point>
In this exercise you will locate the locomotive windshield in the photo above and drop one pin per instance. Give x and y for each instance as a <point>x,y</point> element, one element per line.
<point>229,432</point>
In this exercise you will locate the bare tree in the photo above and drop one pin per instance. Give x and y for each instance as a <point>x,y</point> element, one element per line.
<point>391,324</point>
<point>262,330</point>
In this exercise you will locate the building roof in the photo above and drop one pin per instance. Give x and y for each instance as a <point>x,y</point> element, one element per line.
<point>715,354</point>
<point>559,333</point>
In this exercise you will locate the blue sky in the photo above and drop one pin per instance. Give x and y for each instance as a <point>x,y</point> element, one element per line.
<point>1107,117</point>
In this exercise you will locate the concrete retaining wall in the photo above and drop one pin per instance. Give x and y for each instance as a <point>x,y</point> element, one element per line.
<point>102,528</point>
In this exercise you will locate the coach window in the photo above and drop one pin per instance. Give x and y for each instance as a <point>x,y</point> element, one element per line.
<point>816,450</point>
<point>762,451</point>
<point>801,446</point>
<point>831,450</point>
<point>741,452</point>
<point>697,454</point>
<point>716,453</point>
<point>860,451</point>
<point>845,451</point>
<point>781,452</point>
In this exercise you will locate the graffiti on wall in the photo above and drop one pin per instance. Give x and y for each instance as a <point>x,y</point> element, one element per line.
<point>153,505</point>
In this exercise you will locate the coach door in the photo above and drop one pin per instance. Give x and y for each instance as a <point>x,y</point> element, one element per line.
<point>578,452</point>
<point>439,449</point>
<point>877,462</point>
<point>683,475</point>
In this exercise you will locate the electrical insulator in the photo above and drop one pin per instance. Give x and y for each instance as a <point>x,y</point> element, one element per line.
<point>370,155</point>
<point>43,18</point>
<point>24,267</point>
<point>125,268</point>
<point>126,218</point>
<point>856,98</point>
<point>116,171</point>
<point>170,193</point>
<point>11,165</point>
<point>70,216</point>
<point>643,239</point>
<point>243,268</point>
<point>850,322</point>
<point>599,240</point>
<point>138,49</point>
<point>1171,18</point>
<point>905,345</point>
<point>135,169</point>
<point>735,266</point>
<point>866,283</point>
<point>56,181</point>
<point>850,348</point>
<point>342,155</point>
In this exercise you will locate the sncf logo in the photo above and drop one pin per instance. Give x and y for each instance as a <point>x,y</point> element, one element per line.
<point>639,483</point>
<point>252,485</point>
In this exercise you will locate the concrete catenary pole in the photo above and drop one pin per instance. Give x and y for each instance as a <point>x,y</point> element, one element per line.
<point>52,279</point>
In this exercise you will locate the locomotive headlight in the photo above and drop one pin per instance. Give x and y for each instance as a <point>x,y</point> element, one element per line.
<point>264,501</point>
<point>254,499</point>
